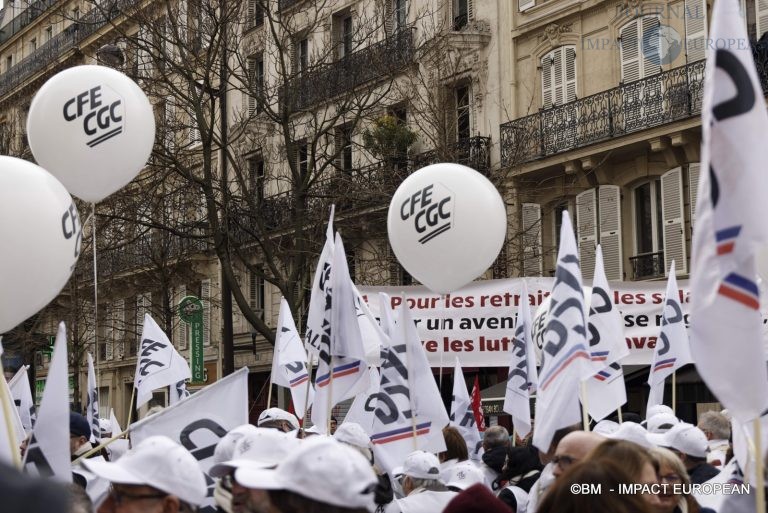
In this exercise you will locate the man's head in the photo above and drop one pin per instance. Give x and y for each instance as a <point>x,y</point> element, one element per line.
<point>79,432</point>
<point>156,476</point>
<point>715,426</point>
<point>546,457</point>
<point>421,470</point>
<point>277,418</point>
<point>334,424</point>
<point>572,449</point>
<point>495,436</point>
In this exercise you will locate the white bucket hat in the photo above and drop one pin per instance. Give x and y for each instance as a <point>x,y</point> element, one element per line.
<point>158,462</point>
<point>321,469</point>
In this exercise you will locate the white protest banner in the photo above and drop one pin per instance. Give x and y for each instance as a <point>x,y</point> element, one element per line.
<point>92,402</point>
<point>462,416</point>
<point>200,421</point>
<point>477,322</point>
<point>289,363</point>
<point>48,450</point>
<point>22,396</point>
<point>159,364</point>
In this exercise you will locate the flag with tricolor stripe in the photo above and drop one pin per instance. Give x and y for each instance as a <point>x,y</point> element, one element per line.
<point>565,354</point>
<point>290,360</point>
<point>730,226</point>
<point>672,349</point>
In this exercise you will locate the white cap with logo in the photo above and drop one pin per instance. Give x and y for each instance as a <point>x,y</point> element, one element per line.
<point>463,474</point>
<point>321,469</point>
<point>158,462</point>
<point>631,432</point>
<point>259,448</point>
<point>421,465</point>
<point>271,414</point>
<point>226,446</point>
<point>683,437</point>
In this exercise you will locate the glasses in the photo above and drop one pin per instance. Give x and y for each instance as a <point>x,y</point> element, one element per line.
<point>120,497</point>
<point>564,461</point>
<point>670,478</point>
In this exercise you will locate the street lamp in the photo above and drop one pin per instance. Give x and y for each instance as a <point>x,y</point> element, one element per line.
<point>110,55</point>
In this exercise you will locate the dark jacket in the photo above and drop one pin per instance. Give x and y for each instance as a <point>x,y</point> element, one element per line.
<point>702,473</point>
<point>23,494</point>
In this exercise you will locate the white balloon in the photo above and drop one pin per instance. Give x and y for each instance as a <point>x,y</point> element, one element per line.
<point>446,224</point>
<point>93,128</point>
<point>41,235</point>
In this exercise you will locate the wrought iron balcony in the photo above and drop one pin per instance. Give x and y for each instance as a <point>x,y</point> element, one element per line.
<point>53,49</point>
<point>653,101</point>
<point>327,81</point>
<point>24,18</point>
<point>647,265</point>
<point>474,152</point>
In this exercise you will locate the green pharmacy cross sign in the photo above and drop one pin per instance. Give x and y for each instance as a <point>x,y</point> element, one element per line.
<point>191,312</point>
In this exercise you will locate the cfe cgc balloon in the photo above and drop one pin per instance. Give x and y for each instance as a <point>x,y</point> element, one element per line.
<point>446,225</point>
<point>41,236</point>
<point>93,128</point>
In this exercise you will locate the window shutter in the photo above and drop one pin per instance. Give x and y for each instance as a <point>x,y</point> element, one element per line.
<point>251,85</point>
<point>183,23</point>
<point>142,307</point>
<point>533,264</point>
<point>120,328</point>
<point>181,333</point>
<point>546,80</point>
<point>650,25</point>
<point>672,221</point>
<point>693,187</point>
<point>109,331</point>
<point>524,5</point>
<point>205,293</point>
<point>250,22</point>
<point>586,232</point>
<point>761,8</point>
<point>696,29</point>
<point>389,17</point>
<point>630,52</point>
<point>558,80</point>
<point>170,125</point>
<point>569,72</point>
<point>610,231</point>
<point>470,10</point>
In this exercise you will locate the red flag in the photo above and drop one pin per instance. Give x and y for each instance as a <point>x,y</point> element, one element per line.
<point>477,408</point>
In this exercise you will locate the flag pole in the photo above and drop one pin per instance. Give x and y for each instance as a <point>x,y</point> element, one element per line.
<point>269,392</point>
<point>619,412</point>
<point>584,414</point>
<point>101,446</point>
<point>95,301</point>
<point>309,384</point>
<point>330,399</point>
<point>130,411</point>
<point>760,492</point>
<point>674,392</point>
<point>442,328</point>
<point>16,457</point>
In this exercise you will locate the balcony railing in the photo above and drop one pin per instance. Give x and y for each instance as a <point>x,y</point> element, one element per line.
<point>647,265</point>
<point>474,152</point>
<point>52,50</point>
<point>653,101</point>
<point>356,69</point>
<point>24,18</point>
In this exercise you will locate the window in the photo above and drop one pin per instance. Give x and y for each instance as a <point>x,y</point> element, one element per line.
<point>558,76</point>
<point>256,177</point>
<point>344,34</point>
<point>256,76</point>
<point>460,14</point>
<point>256,290</point>
<point>76,14</point>
<point>32,44</point>
<point>48,33</point>
<point>400,14</point>
<point>104,403</point>
<point>648,218</point>
<point>8,62</point>
<point>255,14</point>
<point>302,157</point>
<point>301,56</point>
<point>463,113</point>
<point>344,149</point>
<point>641,51</point>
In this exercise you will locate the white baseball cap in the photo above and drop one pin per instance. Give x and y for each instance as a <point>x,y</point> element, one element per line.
<point>271,414</point>
<point>353,434</point>
<point>631,432</point>
<point>421,465</point>
<point>158,462</point>
<point>463,474</point>
<point>661,423</point>
<point>606,427</point>
<point>105,426</point>
<point>259,448</point>
<point>321,469</point>
<point>226,446</point>
<point>656,409</point>
<point>683,437</point>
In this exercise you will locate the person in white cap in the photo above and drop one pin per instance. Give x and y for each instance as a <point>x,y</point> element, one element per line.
<point>224,451</point>
<point>661,423</point>
<point>690,443</point>
<point>156,476</point>
<point>462,475</point>
<point>354,435</point>
<point>606,427</point>
<point>717,429</point>
<point>320,475</point>
<point>632,432</point>
<point>258,448</point>
<point>656,409</point>
<point>277,418</point>
<point>421,484</point>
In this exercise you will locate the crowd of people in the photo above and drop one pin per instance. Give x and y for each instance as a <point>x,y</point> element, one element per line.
<point>277,467</point>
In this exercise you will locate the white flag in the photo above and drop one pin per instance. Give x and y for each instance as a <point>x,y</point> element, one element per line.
<point>730,225</point>
<point>374,337</point>
<point>92,404</point>
<point>115,424</point>
<point>346,339</point>
<point>522,379</point>
<point>462,416</point>
<point>289,362</point>
<point>178,391</point>
<point>565,360</point>
<point>409,412</point>
<point>362,408</point>
<point>12,430</point>
<point>199,422</point>
<point>48,450</point>
<point>318,315</point>
<point>158,364</point>
<point>672,348</point>
<point>22,396</point>
<point>605,391</point>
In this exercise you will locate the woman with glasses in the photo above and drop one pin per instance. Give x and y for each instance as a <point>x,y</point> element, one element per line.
<point>675,484</point>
